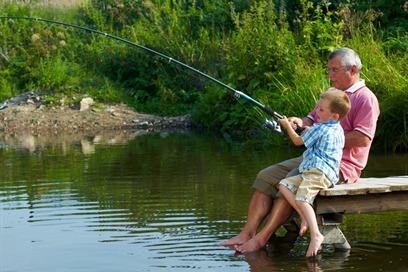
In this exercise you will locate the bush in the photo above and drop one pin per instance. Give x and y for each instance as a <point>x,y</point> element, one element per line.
<point>274,51</point>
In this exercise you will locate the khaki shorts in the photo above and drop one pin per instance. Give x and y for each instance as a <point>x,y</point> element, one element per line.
<point>268,179</point>
<point>306,186</point>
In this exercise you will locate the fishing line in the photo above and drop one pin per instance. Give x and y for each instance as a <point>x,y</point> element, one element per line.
<point>270,124</point>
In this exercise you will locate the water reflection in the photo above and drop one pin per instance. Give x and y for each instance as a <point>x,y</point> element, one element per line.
<point>31,143</point>
<point>146,201</point>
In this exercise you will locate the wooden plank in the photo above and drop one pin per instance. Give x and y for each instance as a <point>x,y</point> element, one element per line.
<point>369,186</point>
<point>394,185</point>
<point>368,195</point>
<point>355,189</point>
<point>348,204</point>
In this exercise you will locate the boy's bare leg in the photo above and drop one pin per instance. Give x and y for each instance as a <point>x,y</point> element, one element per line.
<point>281,213</point>
<point>316,238</point>
<point>259,208</point>
<point>290,197</point>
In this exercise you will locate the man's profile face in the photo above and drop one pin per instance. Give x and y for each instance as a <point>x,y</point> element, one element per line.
<point>340,76</point>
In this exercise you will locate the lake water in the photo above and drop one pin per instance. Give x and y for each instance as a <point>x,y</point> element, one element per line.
<point>161,201</point>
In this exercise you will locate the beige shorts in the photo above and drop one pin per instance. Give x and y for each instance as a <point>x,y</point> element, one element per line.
<point>268,179</point>
<point>306,186</point>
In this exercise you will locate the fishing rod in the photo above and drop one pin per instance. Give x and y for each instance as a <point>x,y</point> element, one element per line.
<point>270,124</point>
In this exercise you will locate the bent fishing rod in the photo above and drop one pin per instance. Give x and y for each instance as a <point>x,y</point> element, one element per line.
<point>269,124</point>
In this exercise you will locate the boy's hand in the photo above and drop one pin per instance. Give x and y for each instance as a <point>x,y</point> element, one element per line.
<point>296,139</point>
<point>284,122</point>
<point>295,122</point>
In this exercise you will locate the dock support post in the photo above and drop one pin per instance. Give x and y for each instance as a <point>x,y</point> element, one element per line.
<point>329,227</point>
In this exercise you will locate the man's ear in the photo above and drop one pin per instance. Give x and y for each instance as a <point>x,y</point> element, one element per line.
<point>353,70</point>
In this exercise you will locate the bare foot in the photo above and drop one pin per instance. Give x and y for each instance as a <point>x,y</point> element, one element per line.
<point>314,245</point>
<point>240,239</point>
<point>250,246</point>
<point>303,227</point>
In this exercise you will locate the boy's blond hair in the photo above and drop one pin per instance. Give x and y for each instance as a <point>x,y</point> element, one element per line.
<point>339,101</point>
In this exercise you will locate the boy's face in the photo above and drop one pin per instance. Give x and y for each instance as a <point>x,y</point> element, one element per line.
<point>324,112</point>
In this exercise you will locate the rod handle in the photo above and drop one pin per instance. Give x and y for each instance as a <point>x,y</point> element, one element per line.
<point>299,129</point>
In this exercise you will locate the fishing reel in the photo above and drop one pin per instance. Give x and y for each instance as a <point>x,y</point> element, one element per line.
<point>273,125</point>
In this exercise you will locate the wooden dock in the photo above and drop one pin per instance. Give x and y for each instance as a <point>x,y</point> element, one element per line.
<point>368,195</point>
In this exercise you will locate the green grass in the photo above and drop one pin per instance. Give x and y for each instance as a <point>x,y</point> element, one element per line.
<point>274,53</point>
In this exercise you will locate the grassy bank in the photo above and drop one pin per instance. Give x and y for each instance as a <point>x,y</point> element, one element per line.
<point>274,51</point>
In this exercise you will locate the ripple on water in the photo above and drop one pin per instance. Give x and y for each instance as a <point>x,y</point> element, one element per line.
<point>175,239</point>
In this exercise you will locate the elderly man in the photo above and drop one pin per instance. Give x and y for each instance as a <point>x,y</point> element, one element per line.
<point>359,125</point>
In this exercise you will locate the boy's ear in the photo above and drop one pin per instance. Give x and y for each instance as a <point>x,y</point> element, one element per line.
<point>336,116</point>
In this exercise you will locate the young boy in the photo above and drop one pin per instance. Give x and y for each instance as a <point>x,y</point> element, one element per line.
<point>324,141</point>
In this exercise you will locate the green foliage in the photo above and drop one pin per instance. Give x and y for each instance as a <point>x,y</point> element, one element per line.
<point>6,89</point>
<point>104,90</point>
<point>393,132</point>
<point>319,28</point>
<point>55,73</point>
<point>393,14</point>
<point>118,13</point>
<point>273,50</point>
<point>385,74</point>
<point>258,46</point>
<point>50,100</point>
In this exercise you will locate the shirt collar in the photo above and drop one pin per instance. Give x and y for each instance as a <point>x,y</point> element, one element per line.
<point>329,122</point>
<point>356,86</point>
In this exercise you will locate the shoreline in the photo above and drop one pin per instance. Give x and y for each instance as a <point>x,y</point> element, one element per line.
<point>30,113</point>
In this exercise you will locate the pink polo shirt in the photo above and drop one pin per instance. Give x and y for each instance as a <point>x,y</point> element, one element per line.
<point>362,117</point>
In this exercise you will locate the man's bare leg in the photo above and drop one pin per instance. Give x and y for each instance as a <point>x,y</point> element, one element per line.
<point>259,208</point>
<point>281,213</point>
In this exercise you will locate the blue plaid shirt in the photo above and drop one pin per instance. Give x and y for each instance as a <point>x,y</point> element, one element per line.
<point>324,143</point>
